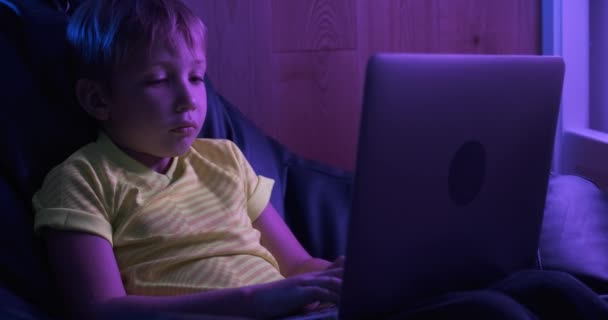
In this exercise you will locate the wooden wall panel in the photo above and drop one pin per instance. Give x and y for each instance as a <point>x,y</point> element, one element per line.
<point>305,25</point>
<point>296,67</point>
<point>264,101</point>
<point>493,27</point>
<point>229,57</point>
<point>239,54</point>
<point>316,104</point>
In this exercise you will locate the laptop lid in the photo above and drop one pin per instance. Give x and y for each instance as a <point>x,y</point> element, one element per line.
<point>452,169</point>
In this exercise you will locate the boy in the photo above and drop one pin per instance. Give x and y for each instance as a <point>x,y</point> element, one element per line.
<point>148,218</point>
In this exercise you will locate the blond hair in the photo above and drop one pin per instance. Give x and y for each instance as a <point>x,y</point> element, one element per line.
<point>104,34</point>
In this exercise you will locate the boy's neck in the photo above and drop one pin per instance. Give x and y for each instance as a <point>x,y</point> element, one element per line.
<point>160,165</point>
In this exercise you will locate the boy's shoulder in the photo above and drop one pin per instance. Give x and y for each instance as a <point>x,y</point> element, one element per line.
<point>219,151</point>
<point>214,147</point>
<point>212,142</point>
<point>87,154</point>
<point>88,158</point>
<point>80,165</point>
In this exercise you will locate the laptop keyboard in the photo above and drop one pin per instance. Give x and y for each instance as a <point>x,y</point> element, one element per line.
<point>324,314</point>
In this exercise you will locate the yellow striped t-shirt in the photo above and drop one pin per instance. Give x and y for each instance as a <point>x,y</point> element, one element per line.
<point>185,231</point>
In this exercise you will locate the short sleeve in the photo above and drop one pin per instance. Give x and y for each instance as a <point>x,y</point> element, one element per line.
<point>72,198</point>
<point>258,188</point>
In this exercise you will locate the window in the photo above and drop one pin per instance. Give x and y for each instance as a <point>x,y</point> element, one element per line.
<point>598,65</point>
<point>569,29</point>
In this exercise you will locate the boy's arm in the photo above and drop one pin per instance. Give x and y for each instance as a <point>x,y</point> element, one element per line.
<point>87,273</point>
<point>293,259</point>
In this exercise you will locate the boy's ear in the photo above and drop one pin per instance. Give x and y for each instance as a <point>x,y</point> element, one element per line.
<point>91,97</point>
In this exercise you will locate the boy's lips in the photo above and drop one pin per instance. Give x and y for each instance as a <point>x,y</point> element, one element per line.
<point>184,128</point>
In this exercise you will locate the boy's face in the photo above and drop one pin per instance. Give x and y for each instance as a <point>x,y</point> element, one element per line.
<point>158,102</point>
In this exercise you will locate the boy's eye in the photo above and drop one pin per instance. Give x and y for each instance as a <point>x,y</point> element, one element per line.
<point>156,81</point>
<point>197,79</point>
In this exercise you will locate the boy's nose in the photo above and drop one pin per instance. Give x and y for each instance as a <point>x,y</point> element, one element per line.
<point>185,101</point>
<point>185,106</point>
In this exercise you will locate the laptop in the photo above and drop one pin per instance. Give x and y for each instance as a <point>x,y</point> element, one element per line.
<point>452,170</point>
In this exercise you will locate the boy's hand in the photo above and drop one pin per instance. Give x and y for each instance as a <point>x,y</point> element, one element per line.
<point>338,263</point>
<point>318,305</point>
<point>293,295</point>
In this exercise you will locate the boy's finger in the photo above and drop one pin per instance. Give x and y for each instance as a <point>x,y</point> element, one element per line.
<point>326,282</point>
<point>334,272</point>
<point>339,262</point>
<point>322,295</point>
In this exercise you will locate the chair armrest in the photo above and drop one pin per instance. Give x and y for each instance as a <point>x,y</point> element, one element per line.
<point>574,236</point>
<point>317,206</point>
